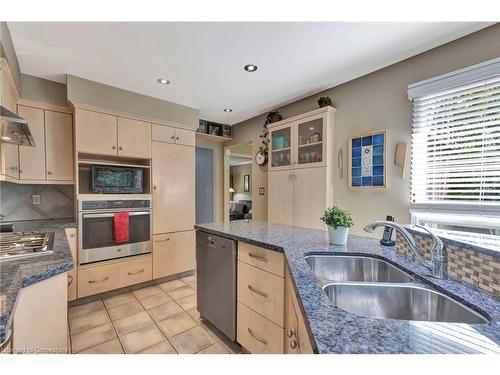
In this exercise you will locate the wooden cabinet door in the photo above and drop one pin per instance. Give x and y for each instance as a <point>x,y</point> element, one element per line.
<point>72,281</point>
<point>32,159</point>
<point>173,253</point>
<point>96,133</point>
<point>10,159</point>
<point>185,137</point>
<point>173,188</point>
<point>134,138</point>
<point>291,320</point>
<point>280,206</point>
<point>163,133</point>
<point>309,197</point>
<point>282,147</point>
<point>59,146</point>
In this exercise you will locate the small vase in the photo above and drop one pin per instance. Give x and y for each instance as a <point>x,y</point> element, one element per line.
<point>338,236</point>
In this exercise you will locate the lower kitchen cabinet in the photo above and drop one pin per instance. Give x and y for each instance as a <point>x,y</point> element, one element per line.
<point>173,253</point>
<point>113,275</point>
<point>72,274</point>
<point>296,336</point>
<point>39,326</point>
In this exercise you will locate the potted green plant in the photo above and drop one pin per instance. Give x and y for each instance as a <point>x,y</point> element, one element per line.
<point>339,220</point>
<point>324,101</point>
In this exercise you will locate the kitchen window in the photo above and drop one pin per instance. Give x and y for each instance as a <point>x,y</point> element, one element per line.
<point>455,158</point>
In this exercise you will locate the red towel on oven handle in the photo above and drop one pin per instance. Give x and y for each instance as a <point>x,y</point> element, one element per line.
<point>120,227</point>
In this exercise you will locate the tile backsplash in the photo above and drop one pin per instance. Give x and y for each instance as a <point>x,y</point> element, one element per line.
<point>56,202</point>
<point>465,265</point>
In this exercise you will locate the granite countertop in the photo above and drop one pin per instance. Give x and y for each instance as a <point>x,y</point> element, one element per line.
<point>19,273</point>
<point>334,330</point>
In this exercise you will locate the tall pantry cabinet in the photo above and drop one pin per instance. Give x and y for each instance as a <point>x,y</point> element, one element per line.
<point>301,173</point>
<point>173,159</point>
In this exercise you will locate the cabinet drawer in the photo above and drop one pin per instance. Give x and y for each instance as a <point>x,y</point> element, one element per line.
<point>257,334</point>
<point>262,291</point>
<point>267,260</point>
<point>111,276</point>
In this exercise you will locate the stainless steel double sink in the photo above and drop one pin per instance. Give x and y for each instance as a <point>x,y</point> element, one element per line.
<point>374,288</point>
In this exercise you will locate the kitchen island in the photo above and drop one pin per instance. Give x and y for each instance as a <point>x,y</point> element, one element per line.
<point>333,330</point>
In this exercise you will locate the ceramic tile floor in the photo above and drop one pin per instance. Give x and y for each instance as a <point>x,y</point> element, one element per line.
<point>159,319</point>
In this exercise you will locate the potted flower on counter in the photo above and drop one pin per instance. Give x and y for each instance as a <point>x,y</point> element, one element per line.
<point>339,220</point>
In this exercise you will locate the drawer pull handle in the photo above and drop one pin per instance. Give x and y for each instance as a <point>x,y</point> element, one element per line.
<point>290,333</point>
<point>257,291</point>
<point>99,281</point>
<point>165,240</point>
<point>135,272</point>
<point>70,280</point>
<point>258,257</point>
<point>264,341</point>
<point>293,344</point>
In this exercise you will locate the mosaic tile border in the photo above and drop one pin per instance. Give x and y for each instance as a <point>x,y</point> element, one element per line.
<point>480,270</point>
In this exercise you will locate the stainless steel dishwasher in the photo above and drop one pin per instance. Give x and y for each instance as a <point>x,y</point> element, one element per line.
<point>216,281</point>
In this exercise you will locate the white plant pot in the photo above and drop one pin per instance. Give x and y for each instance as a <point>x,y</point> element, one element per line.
<point>338,236</point>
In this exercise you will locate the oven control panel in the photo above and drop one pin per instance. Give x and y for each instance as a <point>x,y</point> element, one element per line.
<point>113,204</point>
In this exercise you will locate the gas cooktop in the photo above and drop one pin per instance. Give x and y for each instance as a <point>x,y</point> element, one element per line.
<point>17,245</point>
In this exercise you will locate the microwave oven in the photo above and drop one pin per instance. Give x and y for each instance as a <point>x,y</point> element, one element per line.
<point>116,180</point>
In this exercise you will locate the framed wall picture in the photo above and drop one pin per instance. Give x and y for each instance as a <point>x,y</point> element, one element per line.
<point>367,154</point>
<point>246,183</point>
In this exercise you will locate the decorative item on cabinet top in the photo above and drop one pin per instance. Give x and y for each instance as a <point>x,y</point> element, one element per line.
<point>214,131</point>
<point>324,101</point>
<point>367,167</point>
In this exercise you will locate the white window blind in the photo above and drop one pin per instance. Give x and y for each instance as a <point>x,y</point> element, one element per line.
<point>456,145</point>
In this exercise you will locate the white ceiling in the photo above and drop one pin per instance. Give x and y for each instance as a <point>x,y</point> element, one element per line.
<point>204,61</point>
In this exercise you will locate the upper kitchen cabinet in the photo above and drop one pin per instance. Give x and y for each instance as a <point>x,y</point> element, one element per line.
<point>96,133</point>
<point>9,153</point>
<point>59,146</point>
<point>32,159</point>
<point>134,138</point>
<point>105,134</point>
<point>302,141</point>
<point>169,134</point>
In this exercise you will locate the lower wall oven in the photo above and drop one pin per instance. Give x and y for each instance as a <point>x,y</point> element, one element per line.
<point>95,229</point>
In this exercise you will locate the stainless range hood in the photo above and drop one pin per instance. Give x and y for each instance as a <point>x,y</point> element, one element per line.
<point>15,129</point>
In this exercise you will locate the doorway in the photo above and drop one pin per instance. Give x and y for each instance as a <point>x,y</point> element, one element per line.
<point>238,182</point>
<point>204,164</point>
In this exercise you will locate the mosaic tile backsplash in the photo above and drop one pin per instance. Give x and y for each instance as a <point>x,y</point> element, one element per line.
<point>367,164</point>
<point>56,202</point>
<point>468,266</point>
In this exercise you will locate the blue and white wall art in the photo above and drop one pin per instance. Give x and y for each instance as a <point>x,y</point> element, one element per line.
<point>367,154</point>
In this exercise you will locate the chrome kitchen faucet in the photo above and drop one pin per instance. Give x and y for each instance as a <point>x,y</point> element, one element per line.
<point>438,263</point>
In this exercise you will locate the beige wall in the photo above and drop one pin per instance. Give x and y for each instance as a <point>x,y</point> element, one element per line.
<point>43,91</point>
<point>131,103</point>
<point>238,172</point>
<point>218,175</point>
<point>377,101</point>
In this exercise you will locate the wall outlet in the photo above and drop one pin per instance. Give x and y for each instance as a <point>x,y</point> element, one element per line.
<point>35,199</point>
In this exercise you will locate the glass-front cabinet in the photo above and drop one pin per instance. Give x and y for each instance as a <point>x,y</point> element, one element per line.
<point>281,147</point>
<point>299,144</point>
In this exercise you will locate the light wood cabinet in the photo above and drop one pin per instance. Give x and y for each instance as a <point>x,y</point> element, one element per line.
<point>96,133</point>
<point>297,339</point>
<point>173,253</point>
<point>41,317</point>
<point>302,189</point>
<point>9,153</point>
<point>59,146</point>
<point>280,201</point>
<point>168,134</point>
<point>32,159</point>
<point>173,187</point>
<point>134,138</point>
<point>71,236</point>
<point>113,275</point>
<point>270,261</point>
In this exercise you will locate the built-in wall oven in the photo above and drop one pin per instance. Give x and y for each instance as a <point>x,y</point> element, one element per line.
<point>96,229</point>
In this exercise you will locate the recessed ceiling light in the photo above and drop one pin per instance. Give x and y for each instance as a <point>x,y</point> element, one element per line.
<point>250,67</point>
<point>163,81</point>
<point>228,110</point>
